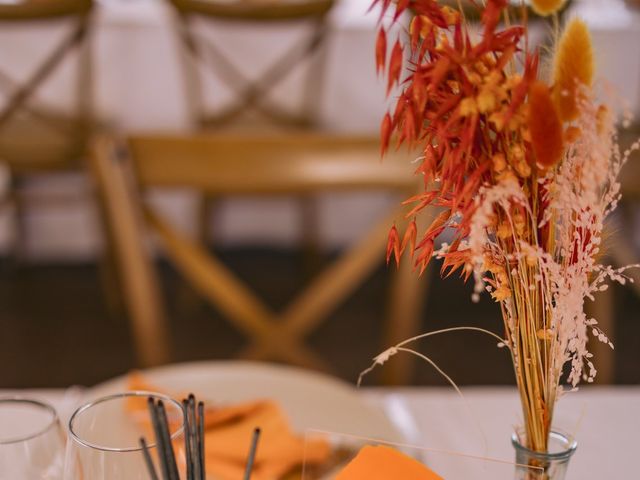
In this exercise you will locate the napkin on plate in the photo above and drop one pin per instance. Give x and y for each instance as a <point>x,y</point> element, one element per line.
<point>228,433</point>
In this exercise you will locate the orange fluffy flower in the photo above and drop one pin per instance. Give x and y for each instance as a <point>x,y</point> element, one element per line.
<point>573,65</point>
<point>545,126</point>
<point>547,7</point>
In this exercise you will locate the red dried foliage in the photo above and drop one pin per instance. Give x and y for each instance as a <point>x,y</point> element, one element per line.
<point>459,104</point>
<point>381,50</point>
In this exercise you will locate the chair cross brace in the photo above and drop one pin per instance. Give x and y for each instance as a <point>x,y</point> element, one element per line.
<point>19,97</point>
<point>252,93</point>
<point>42,112</point>
<point>274,336</point>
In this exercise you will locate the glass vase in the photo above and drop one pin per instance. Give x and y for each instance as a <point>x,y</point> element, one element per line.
<point>548,466</point>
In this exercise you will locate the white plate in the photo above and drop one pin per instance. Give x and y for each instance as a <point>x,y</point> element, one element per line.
<point>311,400</point>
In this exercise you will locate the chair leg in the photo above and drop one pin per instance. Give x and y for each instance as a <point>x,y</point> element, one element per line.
<point>20,233</point>
<point>108,273</point>
<point>310,217</point>
<point>115,182</point>
<point>188,300</point>
<point>108,260</point>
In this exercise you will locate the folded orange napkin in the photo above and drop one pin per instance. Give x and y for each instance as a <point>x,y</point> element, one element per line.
<point>228,433</point>
<point>385,463</point>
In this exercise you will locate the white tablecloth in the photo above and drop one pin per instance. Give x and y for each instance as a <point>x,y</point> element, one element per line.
<point>605,420</point>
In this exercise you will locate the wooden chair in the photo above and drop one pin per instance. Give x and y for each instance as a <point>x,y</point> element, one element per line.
<point>265,166</point>
<point>252,94</point>
<point>251,109</point>
<point>35,138</point>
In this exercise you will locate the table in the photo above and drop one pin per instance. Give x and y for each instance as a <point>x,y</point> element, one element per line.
<point>606,421</point>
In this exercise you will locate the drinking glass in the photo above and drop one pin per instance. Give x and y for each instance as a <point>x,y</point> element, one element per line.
<point>104,437</point>
<point>32,443</point>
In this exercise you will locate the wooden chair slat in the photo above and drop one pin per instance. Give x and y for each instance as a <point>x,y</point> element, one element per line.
<point>285,164</point>
<point>255,10</point>
<point>23,10</point>
<point>302,165</point>
<point>212,279</point>
<point>337,281</point>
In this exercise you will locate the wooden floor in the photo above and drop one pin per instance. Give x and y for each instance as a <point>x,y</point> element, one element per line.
<point>56,329</point>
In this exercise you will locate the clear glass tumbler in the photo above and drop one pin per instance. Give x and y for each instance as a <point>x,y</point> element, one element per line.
<point>104,437</point>
<point>32,443</point>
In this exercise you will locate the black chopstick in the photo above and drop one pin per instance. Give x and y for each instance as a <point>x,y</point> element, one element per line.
<point>187,441</point>
<point>201,440</point>
<point>169,453</point>
<point>160,444</point>
<point>252,454</point>
<point>147,459</point>
<point>193,438</point>
<point>194,442</point>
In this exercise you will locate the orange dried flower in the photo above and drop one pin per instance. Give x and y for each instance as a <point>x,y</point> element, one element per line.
<point>451,16</point>
<point>501,293</point>
<point>486,101</point>
<point>547,7</point>
<point>545,334</point>
<point>572,133</point>
<point>545,126</point>
<point>420,26</point>
<point>499,162</point>
<point>573,65</point>
<point>504,231</point>
<point>519,223</point>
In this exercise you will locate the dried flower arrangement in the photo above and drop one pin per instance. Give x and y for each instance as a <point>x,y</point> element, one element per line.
<point>523,166</point>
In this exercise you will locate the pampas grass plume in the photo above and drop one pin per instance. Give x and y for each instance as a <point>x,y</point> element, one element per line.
<point>547,7</point>
<point>545,126</point>
<point>573,65</point>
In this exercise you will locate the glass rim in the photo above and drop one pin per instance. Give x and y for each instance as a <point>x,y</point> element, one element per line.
<point>569,440</point>
<point>133,393</point>
<point>53,421</point>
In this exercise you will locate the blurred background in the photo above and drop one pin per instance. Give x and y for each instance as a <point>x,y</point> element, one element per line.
<point>92,286</point>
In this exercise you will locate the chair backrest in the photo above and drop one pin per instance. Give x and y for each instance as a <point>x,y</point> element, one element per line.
<point>35,136</point>
<point>268,166</point>
<point>252,94</point>
<point>256,10</point>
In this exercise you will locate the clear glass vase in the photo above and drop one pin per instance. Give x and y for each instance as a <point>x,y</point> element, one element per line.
<point>548,466</point>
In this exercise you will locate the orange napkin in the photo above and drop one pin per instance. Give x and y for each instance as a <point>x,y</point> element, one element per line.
<point>385,463</point>
<point>228,433</point>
